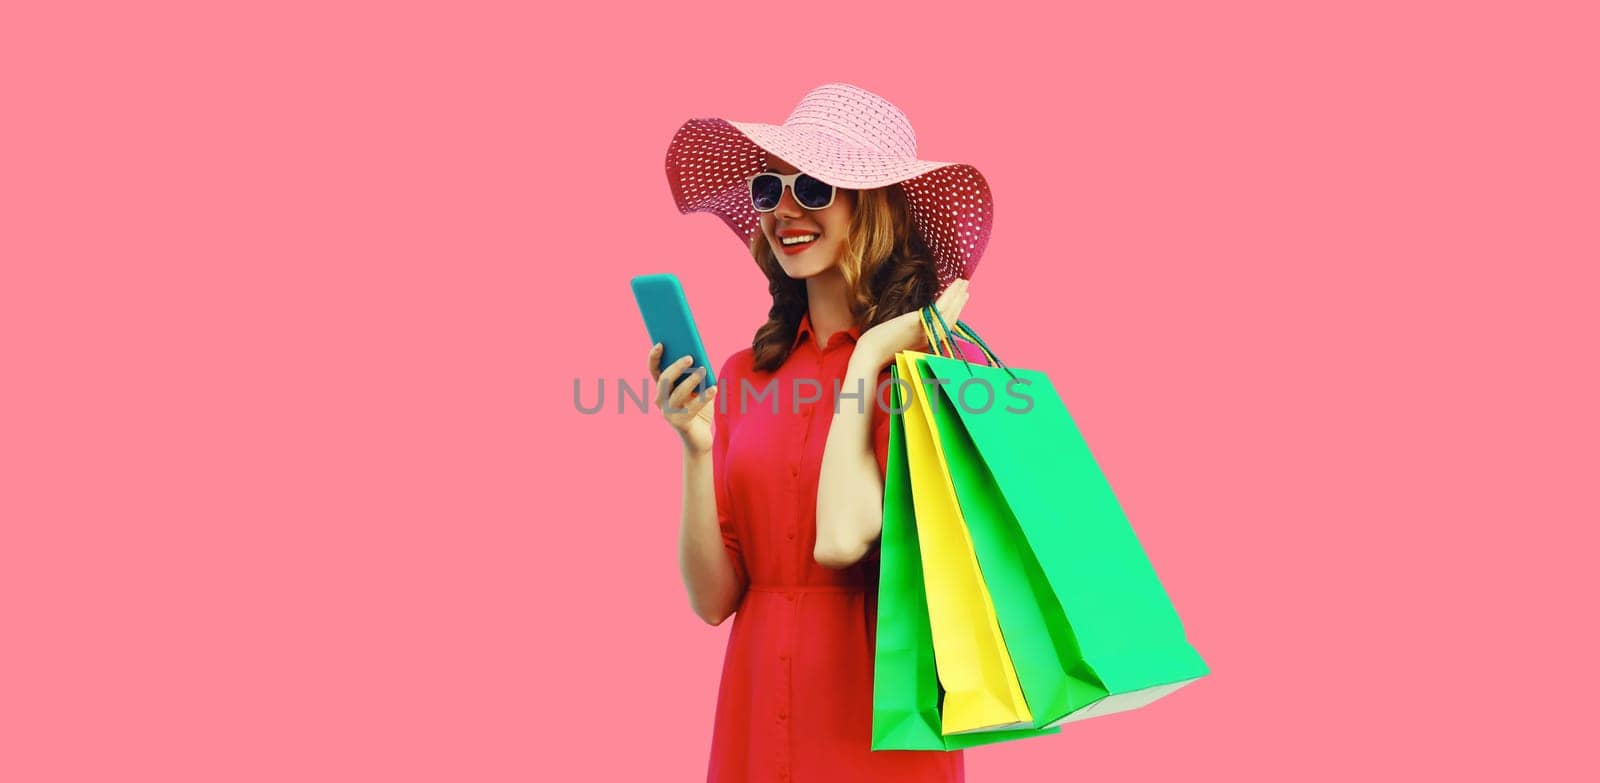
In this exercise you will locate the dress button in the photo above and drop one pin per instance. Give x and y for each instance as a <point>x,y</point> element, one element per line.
<point>794,472</point>
<point>791,535</point>
<point>783,715</point>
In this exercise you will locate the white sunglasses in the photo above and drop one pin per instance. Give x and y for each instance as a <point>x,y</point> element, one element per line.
<point>766,190</point>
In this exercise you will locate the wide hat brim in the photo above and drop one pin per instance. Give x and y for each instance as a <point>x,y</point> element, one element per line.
<point>710,158</point>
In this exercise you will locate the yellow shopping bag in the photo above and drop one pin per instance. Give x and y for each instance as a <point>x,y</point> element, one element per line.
<point>981,689</point>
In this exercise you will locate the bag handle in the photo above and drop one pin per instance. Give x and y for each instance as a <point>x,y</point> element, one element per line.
<point>940,339</point>
<point>936,339</point>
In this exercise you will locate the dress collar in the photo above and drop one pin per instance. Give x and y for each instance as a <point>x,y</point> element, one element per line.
<point>804,332</point>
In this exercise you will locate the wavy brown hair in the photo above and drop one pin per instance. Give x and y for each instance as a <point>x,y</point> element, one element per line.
<point>886,266</point>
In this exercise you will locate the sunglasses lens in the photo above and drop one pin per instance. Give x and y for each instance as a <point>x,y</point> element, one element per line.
<point>765,191</point>
<point>812,193</point>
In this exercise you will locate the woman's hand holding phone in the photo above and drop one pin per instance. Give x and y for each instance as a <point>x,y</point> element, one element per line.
<point>688,413</point>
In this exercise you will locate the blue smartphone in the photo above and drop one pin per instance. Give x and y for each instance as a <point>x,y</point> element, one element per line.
<point>667,318</point>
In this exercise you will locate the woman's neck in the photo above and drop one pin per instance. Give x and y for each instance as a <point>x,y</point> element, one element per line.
<point>829,303</point>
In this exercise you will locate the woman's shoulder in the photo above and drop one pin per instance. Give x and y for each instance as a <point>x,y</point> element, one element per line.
<point>737,365</point>
<point>736,370</point>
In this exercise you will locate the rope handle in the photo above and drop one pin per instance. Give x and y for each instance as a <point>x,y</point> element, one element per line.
<point>942,343</point>
<point>940,337</point>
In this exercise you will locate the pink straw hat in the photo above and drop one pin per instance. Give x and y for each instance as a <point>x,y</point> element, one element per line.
<point>849,138</point>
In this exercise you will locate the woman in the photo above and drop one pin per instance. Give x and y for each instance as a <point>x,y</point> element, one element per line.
<point>784,458</point>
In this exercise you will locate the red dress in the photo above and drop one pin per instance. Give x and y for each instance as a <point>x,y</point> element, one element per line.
<point>795,703</point>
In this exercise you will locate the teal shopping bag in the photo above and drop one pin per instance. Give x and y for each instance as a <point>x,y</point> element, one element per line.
<point>906,696</point>
<point>1089,626</point>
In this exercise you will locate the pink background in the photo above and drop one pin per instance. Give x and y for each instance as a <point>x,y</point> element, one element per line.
<point>294,488</point>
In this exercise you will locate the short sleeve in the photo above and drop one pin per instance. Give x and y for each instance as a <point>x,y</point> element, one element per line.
<point>719,470</point>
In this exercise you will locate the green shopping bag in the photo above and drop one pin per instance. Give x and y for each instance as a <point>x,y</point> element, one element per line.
<point>1088,624</point>
<point>906,696</point>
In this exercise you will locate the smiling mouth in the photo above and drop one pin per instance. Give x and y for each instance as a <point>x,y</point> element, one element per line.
<point>797,243</point>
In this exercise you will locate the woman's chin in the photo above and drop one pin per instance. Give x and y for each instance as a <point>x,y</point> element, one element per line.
<point>802,267</point>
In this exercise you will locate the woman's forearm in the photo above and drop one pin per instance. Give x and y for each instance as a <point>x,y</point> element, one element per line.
<point>850,488</point>
<point>713,585</point>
